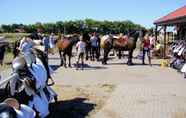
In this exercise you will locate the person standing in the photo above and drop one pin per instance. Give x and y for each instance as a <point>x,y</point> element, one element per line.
<point>52,42</point>
<point>94,46</point>
<point>46,44</point>
<point>2,53</point>
<point>26,44</point>
<point>152,41</point>
<point>146,49</point>
<point>80,47</point>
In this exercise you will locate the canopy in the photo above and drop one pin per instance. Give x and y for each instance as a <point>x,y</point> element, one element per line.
<point>175,17</point>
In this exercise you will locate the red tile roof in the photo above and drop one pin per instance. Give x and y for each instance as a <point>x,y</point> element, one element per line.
<point>181,12</point>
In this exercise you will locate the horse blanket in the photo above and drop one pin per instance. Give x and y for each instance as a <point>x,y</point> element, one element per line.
<point>122,41</point>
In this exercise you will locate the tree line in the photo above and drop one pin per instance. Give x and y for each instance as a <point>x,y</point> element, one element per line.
<point>77,26</point>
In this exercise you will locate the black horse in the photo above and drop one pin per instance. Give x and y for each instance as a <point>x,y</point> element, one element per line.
<point>115,44</point>
<point>88,50</point>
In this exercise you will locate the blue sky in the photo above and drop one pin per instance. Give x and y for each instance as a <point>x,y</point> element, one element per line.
<point>143,12</point>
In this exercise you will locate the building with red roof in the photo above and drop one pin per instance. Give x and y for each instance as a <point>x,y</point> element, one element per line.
<point>177,19</point>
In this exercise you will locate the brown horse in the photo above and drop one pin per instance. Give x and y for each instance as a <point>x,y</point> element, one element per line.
<point>115,43</point>
<point>65,46</point>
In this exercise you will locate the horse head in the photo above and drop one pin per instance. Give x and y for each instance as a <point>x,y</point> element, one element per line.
<point>136,34</point>
<point>74,38</point>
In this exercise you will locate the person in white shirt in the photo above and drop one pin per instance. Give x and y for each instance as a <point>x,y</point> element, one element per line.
<point>22,111</point>
<point>26,44</point>
<point>94,46</point>
<point>152,41</point>
<point>52,42</point>
<point>80,47</point>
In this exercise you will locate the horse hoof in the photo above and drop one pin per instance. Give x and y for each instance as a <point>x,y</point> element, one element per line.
<point>130,64</point>
<point>104,63</point>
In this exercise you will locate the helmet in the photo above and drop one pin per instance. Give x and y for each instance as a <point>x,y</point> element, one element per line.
<point>18,64</point>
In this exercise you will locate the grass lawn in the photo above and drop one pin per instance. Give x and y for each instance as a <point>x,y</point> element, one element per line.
<point>7,62</point>
<point>12,37</point>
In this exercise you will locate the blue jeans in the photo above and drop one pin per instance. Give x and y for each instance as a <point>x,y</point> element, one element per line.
<point>145,50</point>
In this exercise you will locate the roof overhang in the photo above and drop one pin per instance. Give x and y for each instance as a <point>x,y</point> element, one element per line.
<point>179,20</point>
<point>176,17</point>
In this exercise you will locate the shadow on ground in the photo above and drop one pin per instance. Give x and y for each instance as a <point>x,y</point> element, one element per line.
<point>89,67</point>
<point>75,108</point>
<point>135,64</point>
<point>54,58</point>
<point>55,67</point>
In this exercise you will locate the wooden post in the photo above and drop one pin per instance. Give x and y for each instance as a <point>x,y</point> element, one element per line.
<point>168,36</point>
<point>173,36</point>
<point>165,43</point>
<point>156,32</point>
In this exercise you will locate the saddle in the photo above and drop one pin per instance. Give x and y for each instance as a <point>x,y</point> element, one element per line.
<point>122,41</point>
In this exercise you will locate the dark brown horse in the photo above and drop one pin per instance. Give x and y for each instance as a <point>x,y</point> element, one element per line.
<point>114,43</point>
<point>65,46</point>
<point>86,38</point>
<point>88,52</point>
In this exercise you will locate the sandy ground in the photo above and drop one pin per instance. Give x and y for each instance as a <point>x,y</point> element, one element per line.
<point>99,91</point>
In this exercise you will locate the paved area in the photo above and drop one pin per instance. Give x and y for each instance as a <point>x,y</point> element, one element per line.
<point>134,91</point>
<point>160,98</point>
<point>140,91</point>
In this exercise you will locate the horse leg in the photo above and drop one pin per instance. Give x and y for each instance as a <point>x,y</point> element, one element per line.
<point>97,53</point>
<point>69,60</point>
<point>87,52</point>
<point>61,58</point>
<point>105,57</point>
<point>130,58</point>
<point>91,53</point>
<point>64,59</point>
<point>119,54</point>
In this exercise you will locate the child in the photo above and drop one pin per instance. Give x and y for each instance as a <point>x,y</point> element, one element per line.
<point>46,44</point>
<point>80,47</point>
<point>52,42</point>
